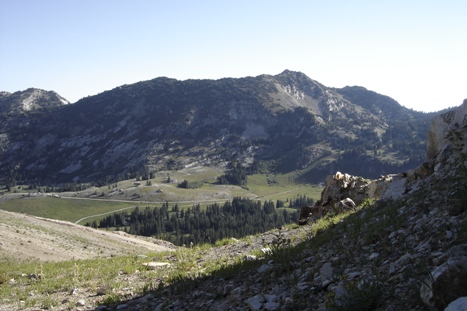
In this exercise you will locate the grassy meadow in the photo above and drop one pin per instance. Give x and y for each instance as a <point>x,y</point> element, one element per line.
<point>95,203</point>
<point>62,209</point>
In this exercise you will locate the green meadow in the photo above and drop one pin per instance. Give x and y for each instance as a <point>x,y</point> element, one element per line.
<point>62,209</point>
<point>94,204</point>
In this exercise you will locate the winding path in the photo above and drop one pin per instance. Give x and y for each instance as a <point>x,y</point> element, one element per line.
<point>103,214</point>
<point>152,202</point>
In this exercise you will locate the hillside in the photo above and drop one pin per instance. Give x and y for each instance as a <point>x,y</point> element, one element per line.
<point>24,238</point>
<point>279,123</point>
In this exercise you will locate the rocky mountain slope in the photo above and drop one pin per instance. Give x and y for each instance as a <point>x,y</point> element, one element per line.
<point>17,111</point>
<point>29,100</point>
<point>282,123</point>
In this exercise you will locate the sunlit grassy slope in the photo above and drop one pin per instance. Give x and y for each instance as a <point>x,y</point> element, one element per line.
<point>94,204</point>
<point>62,209</point>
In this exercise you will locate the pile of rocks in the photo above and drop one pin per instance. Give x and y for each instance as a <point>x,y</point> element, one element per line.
<point>343,192</point>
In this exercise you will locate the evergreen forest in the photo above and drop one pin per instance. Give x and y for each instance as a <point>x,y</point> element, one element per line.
<point>196,225</point>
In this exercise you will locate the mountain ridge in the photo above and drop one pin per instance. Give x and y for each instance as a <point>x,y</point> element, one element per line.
<point>287,118</point>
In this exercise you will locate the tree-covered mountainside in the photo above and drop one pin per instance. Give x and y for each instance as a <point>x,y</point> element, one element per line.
<point>287,122</point>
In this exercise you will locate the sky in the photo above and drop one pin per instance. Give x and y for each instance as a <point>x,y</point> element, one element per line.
<point>413,51</point>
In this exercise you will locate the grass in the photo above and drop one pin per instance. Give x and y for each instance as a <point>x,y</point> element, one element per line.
<point>18,280</point>
<point>62,209</point>
<point>262,186</point>
<point>280,187</point>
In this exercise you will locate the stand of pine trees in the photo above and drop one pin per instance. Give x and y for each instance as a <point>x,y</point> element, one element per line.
<point>237,218</point>
<point>236,175</point>
<point>301,200</point>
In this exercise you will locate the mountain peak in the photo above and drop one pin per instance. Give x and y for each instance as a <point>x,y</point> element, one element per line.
<point>292,74</point>
<point>29,100</point>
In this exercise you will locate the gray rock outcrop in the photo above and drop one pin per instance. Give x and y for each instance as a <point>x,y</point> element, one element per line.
<point>446,282</point>
<point>459,304</point>
<point>438,138</point>
<point>343,191</point>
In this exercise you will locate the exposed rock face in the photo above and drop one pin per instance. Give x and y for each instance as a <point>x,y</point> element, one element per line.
<point>343,191</point>
<point>17,110</point>
<point>341,186</point>
<point>29,100</point>
<point>438,139</point>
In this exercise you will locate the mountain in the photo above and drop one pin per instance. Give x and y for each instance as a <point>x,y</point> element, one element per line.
<point>279,123</point>
<point>17,108</point>
<point>29,100</point>
<point>17,111</point>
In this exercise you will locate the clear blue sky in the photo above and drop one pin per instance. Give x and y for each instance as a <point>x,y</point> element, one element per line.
<point>412,51</point>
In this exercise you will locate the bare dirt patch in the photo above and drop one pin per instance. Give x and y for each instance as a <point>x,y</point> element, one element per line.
<point>25,237</point>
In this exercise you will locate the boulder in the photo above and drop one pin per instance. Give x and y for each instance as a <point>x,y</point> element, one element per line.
<point>459,304</point>
<point>343,192</point>
<point>326,273</point>
<point>255,303</point>
<point>396,187</point>
<point>445,284</point>
<point>344,205</point>
<point>341,186</point>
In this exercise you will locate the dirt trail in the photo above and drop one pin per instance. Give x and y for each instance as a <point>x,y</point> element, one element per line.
<point>29,237</point>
